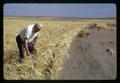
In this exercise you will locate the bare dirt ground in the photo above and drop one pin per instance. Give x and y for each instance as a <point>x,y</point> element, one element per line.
<point>90,57</point>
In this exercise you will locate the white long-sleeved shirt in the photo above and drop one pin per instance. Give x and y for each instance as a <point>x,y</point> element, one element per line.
<point>28,33</point>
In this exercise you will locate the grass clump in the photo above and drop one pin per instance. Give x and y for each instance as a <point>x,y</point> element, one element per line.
<point>102,27</point>
<point>110,51</point>
<point>83,33</point>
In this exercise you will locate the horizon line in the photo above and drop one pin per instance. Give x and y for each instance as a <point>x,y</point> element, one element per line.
<point>57,16</point>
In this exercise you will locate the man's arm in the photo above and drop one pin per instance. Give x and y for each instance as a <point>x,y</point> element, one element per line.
<point>34,41</point>
<point>36,38</point>
<point>26,46</point>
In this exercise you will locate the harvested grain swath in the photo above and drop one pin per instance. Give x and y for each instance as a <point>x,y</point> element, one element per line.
<point>52,45</point>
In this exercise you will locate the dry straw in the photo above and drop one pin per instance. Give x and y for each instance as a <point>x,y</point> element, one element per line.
<point>52,47</point>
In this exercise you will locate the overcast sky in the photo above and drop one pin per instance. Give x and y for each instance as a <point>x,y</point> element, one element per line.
<point>61,10</point>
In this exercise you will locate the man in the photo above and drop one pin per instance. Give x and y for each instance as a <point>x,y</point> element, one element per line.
<point>26,40</point>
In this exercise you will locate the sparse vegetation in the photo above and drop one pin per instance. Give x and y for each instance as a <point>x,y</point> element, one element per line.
<point>101,26</point>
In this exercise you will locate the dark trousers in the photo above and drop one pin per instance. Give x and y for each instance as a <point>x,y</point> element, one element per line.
<point>20,46</point>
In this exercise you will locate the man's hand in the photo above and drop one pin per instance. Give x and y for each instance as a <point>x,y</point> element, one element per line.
<point>28,53</point>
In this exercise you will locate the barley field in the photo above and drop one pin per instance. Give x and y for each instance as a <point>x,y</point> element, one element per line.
<point>52,46</point>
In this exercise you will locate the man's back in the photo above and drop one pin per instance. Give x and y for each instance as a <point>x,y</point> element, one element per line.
<point>28,33</point>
